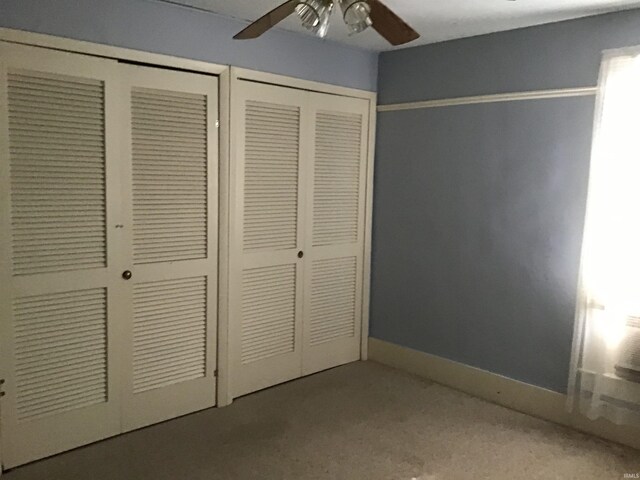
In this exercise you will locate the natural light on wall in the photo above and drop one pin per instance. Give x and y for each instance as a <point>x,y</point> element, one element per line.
<point>605,377</point>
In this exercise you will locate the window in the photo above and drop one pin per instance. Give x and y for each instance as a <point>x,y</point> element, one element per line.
<point>605,379</point>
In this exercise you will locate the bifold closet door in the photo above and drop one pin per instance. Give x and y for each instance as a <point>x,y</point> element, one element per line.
<point>108,248</point>
<point>266,235</point>
<point>59,301</point>
<point>298,188</point>
<point>334,231</point>
<point>170,201</point>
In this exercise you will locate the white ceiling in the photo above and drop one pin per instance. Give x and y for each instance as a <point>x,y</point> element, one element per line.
<point>435,20</point>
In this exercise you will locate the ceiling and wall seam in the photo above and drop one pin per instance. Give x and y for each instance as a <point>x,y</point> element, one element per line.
<point>436,21</point>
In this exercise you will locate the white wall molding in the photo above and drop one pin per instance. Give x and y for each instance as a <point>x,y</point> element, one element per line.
<point>498,97</point>
<point>523,397</point>
<point>238,73</point>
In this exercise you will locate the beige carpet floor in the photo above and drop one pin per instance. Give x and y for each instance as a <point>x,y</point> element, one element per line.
<point>360,421</point>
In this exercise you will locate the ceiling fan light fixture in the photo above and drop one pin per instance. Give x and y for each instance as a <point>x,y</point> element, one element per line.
<point>356,14</point>
<point>315,15</point>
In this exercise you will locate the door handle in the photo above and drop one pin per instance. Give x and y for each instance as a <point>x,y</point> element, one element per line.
<point>127,274</point>
<point>300,254</point>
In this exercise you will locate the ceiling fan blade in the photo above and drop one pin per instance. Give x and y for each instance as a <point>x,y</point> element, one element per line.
<point>267,21</point>
<point>390,25</point>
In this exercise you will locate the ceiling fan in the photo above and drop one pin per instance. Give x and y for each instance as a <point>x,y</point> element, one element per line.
<point>357,14</point>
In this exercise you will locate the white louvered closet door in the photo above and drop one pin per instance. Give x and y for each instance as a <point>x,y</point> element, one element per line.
<point>59,294</point>
<point>334,231</point>
<point>171,196</point>
<point>266,234</point>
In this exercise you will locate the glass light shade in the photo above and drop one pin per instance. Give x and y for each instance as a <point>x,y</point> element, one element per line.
<point>356,15</point>
<point>315,15</point>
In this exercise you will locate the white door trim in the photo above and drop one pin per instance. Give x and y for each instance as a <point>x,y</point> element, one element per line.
<point>224,396</point>
<point>108,51</point>
<point>368,228</point>
<point>284,81</point>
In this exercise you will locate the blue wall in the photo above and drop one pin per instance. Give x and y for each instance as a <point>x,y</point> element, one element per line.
<point>174,30</point>
<point>479,209</point>
<point>557,55</point>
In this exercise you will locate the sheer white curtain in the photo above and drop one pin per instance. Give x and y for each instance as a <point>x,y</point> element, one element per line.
<point>603,380</point>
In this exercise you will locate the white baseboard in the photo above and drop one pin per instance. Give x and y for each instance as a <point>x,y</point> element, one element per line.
<point>520,396</point>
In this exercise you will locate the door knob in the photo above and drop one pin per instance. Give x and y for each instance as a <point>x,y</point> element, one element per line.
<point>300,254</point>
<point>126,274</point>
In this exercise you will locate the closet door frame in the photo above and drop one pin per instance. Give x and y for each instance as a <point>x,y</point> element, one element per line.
<point>236,74</point>
<point>96,52</point>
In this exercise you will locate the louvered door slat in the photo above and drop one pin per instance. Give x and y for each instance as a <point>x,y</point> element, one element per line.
<point>51,375</point>
<point>49,114</point>
<point>332,299</point>
<point>169,332</point>
<point>268,312</point>
<point>271,124</point>
<point>337,178</point>
<point>166,126</point>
